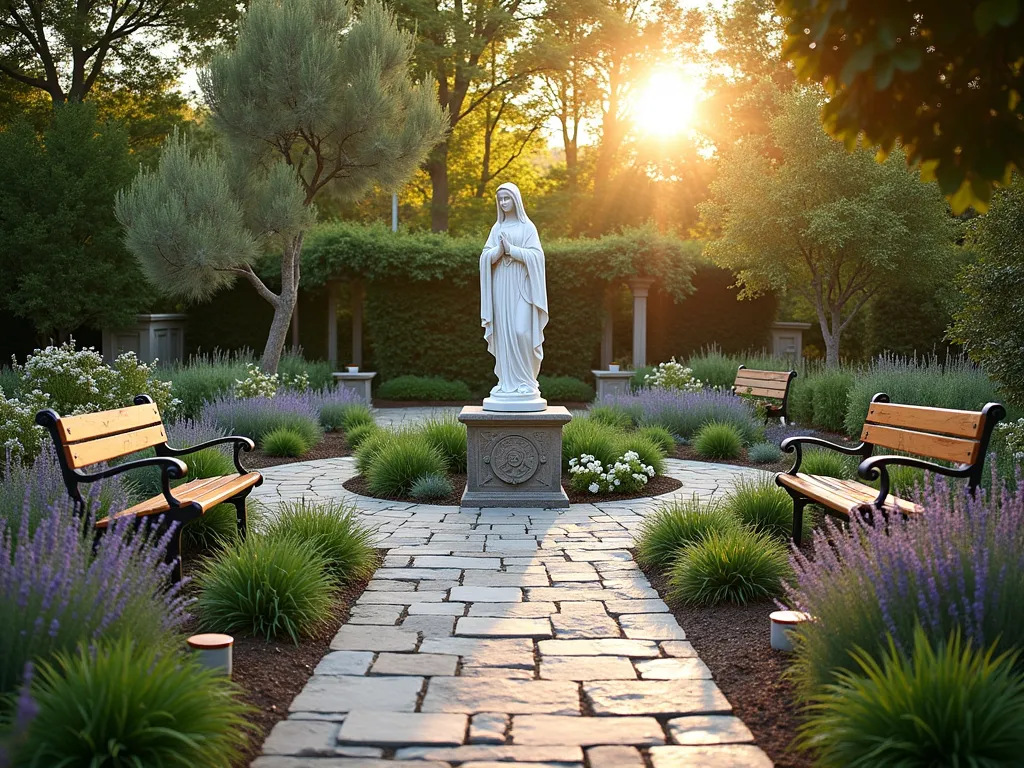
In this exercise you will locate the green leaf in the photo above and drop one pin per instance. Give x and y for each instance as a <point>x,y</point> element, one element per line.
<point>857,63</point>
<point>907,59</point>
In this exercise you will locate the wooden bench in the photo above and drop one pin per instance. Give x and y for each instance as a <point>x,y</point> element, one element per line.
<point>771,386</point>
<point>91,438</point>
<point>958,437</point>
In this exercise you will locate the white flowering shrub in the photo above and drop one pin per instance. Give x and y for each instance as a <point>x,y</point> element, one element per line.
<point>257,383</point>
<point>1012,432</point>
<point>20,438</point>
<point>673,375</point>
<point>74,381</point>
<point>297,383</point>
<point>627,475</point>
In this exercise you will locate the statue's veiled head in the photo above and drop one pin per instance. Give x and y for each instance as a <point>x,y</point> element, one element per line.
<point>510,203</point>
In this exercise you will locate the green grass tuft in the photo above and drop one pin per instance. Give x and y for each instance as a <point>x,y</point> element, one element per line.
<point>661,436</point>
<point>717,440</point>
<point>128,704</point>
<point>266,586</point>
<point>354,437</point>
<point>448,435</point>
<point>821,461</point>
<point>676,526</point>
<point>401,460</point>
<point>431,487</point>
<point>285,442</point>
<point>586,435</point>
<point>949,705</point>
<point>333,528</point>
<point>763,506</point>
<point>734,566</point>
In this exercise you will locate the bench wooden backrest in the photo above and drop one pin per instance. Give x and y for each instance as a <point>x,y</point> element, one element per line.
<point>95,437</point>
<point>937,433</point>
<point>762,383</point>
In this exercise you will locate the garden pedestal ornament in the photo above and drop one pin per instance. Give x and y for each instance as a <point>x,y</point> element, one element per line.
<point>356,381</point>
<point>514,447</point>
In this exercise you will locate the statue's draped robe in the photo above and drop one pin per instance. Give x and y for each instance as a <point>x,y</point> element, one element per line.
<point>514,302</point>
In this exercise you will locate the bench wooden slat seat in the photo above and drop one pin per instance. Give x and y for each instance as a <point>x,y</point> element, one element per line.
<point>86,440</point>
<point>960,438</point>
<point>772,386</point>
<point>206,492</point>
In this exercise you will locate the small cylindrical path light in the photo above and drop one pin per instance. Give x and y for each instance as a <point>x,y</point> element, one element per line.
<point>213,651</point>
<point>782,623</point>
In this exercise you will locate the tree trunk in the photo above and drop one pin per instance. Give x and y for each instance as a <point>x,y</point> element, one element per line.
<point>437,167</point>
<point>284,305</point>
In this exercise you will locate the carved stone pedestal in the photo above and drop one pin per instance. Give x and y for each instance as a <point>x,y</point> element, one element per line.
<point>514,459</point>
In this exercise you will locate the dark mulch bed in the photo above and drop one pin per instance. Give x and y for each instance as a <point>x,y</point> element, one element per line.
<point>656,486</point>
<point>332,445</point>
<point>733,640</point>
<point>271,674</point>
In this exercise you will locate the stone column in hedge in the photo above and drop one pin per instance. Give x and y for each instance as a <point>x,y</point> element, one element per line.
<point>640,286</point>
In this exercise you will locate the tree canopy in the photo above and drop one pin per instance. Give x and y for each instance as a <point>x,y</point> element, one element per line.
<point>811,218</point>
<point>62,263</point>
<point>942,79</point>
<point>307,101</point>
<point>990,321</point>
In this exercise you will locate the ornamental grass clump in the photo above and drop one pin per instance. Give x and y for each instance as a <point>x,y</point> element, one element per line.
<point>59,589</point>
<point>370,445</point>
<point>764,453</point>
<point>431,488</point>
<point>333,528</point>
<point>718,441</point>
<point>400,461</point>
<point>659,436</point>
<point>448,436</point>
<point>124,703</point>
<point>612,415</point>
<point>285,442</point>
<point>648,451</point>
<point>268,586</point>
<point>354,437</point>
<point>763,506</point>
<point>821,461</point>
<point>212,530</point>
<point>736,566</point>
<point>942,703</point>
<point>584,435</point>
<point>676,526</point>
<point>957,566</point>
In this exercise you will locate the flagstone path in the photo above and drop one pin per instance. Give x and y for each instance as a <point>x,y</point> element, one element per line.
<point>499,637</point>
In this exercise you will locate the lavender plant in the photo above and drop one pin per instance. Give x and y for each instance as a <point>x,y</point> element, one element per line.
<point>58,590</point>
<point>33,490</point>
<point>256,416</point>
<point>683,413</point>
<point>958,566</point>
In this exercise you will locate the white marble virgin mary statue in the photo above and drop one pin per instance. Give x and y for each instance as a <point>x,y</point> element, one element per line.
<point>513,305</point>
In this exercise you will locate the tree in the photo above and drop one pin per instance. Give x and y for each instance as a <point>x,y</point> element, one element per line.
<point>990,319</point>
<point>943,79</point>
<point>452,41</point>
<point>62,48</point>
<point>307,101</point>
<point>62,263</point>
<point>829,225</point>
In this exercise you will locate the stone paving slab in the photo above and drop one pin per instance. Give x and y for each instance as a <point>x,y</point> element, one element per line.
<point>486,632</point>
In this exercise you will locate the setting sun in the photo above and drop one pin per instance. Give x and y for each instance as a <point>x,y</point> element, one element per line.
<point>666,104</point>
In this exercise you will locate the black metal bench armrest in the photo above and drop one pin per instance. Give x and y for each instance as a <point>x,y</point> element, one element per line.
<point>875,468</point>
<point>795,443</point>
<point>171,469</point>
<point>241,444</point>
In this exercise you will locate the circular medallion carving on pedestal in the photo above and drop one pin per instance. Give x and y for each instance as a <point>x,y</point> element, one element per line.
<point>514,459</point>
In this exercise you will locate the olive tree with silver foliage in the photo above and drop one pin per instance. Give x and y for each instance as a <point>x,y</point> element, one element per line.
<point>308,100</point>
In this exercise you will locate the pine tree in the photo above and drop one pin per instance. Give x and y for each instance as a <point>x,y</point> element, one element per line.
<point>308,100</point>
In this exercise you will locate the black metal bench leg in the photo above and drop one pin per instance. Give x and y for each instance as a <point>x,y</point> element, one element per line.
<point>798,519</point>
<point>240,516</point>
